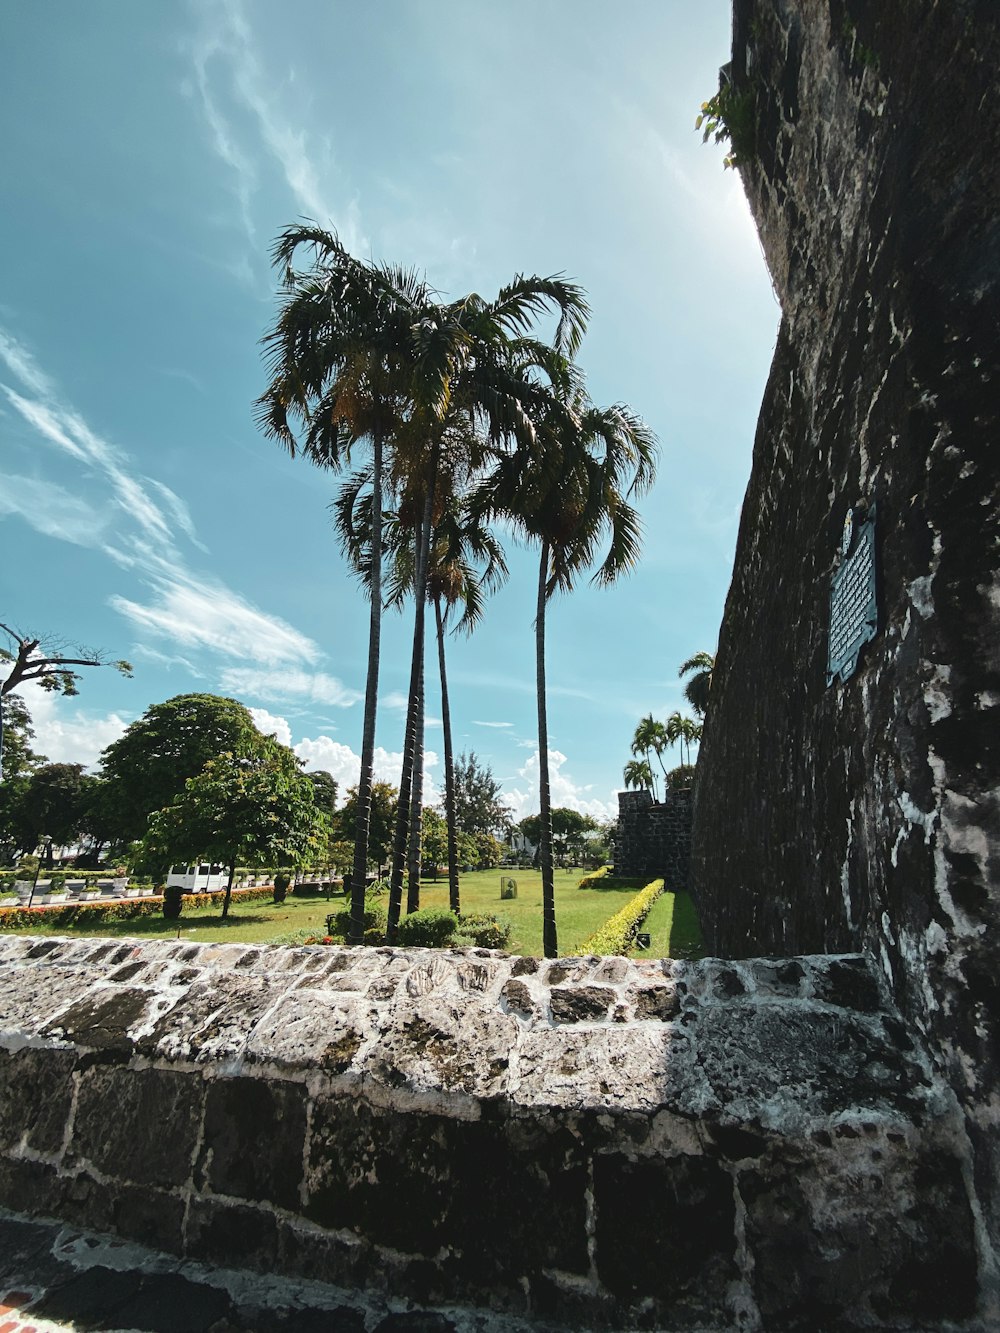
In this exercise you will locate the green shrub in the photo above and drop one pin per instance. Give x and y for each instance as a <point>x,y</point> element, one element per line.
<point>374,922</point>
<point>429,928</point>
<point>618,933</point>
<point>484,930</point>
<point>173,900</point>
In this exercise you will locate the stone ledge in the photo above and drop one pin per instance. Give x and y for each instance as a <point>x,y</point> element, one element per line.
<point>471,1128</point>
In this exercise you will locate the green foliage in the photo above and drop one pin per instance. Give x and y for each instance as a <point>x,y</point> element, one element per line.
<point>19,759</point>
<point>681,778</point>
<point>172,902</point>
<point>484,930</point>
<point>148,766</point>
<point>429,928</point>
<point>374,920</point>
<point>697,690</point>
<point>478,807</point>
<point>729,116</point>
<point>381,824</point>
<point>617,935</point>
<point>255,804</point>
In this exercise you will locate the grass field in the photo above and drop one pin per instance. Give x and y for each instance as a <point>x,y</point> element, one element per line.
<point>673,928</point>
<point>579,912</point>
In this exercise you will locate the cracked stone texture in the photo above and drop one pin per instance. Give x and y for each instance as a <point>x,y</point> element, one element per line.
<point>866,815</point>
<point>464,1128</point>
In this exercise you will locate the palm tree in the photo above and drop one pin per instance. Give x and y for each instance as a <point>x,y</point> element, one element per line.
<point>638,773</point>
<point>650,738</point>
<point>340,359</point>
<point>698,688</point>
<point>683,729</point>
<point>567,490</point>
<point>480,373</point>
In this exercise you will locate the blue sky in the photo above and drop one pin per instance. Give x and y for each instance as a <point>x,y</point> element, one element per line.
<point>152,152</point>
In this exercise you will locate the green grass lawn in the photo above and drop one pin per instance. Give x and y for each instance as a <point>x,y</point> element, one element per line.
<point>673,927</point>
<point>579,912</point>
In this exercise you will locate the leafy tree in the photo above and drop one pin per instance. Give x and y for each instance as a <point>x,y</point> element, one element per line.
<point>51,663</point>
<point>256,806</point>
<point>52,805</point>
<point>384,798</point>
<point>19,759</point>
<point>147,767</point>
<point>569,829</point>
<point>681,778</point>
<point>478,804</point>
<point>698,689</point>
<point>324,789</point>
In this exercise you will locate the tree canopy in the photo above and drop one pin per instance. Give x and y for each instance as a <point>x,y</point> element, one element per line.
<point>478,807</point>
<point>254,806</point>
<point>148,766</point>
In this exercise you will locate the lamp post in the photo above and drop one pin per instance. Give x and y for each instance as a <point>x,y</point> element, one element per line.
<point>47,841</point>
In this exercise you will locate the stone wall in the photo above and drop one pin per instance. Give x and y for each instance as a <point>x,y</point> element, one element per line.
<point>654,838</point>
<point>602,1142</point>
<point>866,815</point>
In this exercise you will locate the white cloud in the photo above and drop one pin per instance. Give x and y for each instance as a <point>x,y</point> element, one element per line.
<point>51,510</point>
<point>564,792</point>
<point>312,687</point>
<point>142,652</point>
<point>269,725</point>
<point>476,723</point>
<point>205,614</point>
<point>67,734</point>
<point>345,764</point>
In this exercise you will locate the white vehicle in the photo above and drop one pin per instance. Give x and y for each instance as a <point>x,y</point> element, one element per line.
<point>203,878</point>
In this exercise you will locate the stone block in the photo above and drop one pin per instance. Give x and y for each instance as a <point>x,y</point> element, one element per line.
<point>665,1229</point>
<point>230,1235</point>
<point>253,1137</point>
<point>35,1097</point>
<point>139,1125</point>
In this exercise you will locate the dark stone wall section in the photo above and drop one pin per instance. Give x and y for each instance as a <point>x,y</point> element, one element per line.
<point>865,816</point>
<point>654,837</point>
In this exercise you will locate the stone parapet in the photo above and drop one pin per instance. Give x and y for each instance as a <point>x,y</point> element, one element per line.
<point>604,1142</point>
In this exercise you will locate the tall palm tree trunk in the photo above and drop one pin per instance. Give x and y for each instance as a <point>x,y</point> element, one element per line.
<point>356,933</point>
<point>549,944</point>
<point>409,740</point>
<point>413,849</point>
<point>449,767</point>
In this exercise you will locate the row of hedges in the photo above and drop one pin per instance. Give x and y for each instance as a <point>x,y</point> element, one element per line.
<point>119,909</point>
<point>618,933</point>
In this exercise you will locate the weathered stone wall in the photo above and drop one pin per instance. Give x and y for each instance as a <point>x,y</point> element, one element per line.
<point>602,1142</point>
<point>654,838</point>
<point>867,815</point>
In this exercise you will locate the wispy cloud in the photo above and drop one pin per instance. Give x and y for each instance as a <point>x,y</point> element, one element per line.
<point>477,723</point>
<point>315,687</point>
<point>146,516</point>
<point>228,69</point>
<point>51,510</point>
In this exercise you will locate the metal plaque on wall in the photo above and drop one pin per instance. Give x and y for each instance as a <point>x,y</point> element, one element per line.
<point>853,604</point>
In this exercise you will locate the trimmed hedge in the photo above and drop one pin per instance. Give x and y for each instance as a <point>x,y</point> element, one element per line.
<point>618,933</point>
<point>590,880</point>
